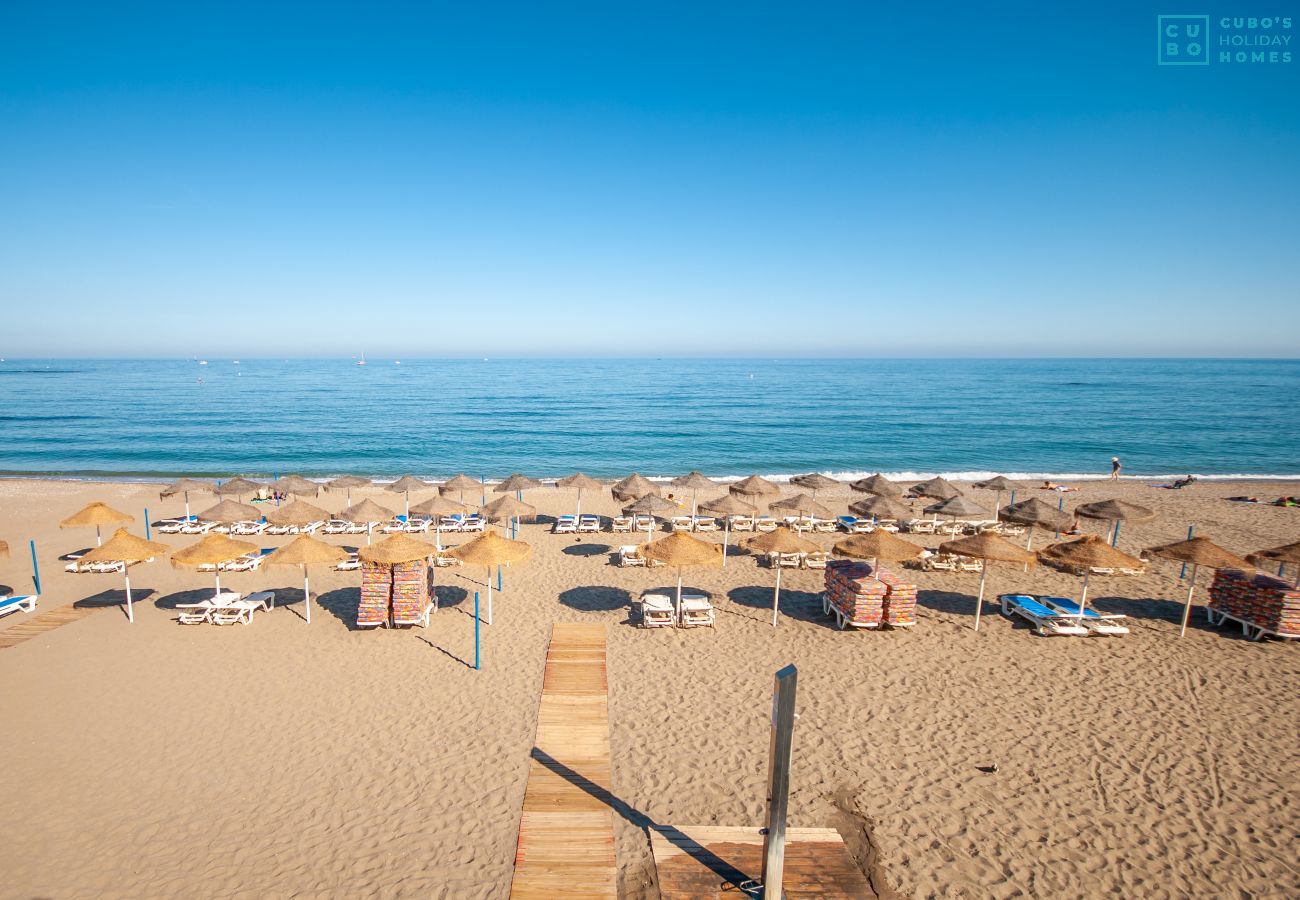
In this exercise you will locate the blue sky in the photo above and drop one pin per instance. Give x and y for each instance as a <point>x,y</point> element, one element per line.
<point>695,179</point>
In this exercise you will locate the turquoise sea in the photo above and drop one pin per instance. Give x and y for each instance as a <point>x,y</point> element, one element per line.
<point>608,417</point>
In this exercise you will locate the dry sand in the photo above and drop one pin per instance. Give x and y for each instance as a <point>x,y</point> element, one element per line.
<point>280,759</point>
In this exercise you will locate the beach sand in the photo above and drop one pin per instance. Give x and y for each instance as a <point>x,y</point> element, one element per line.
<point>159,760</point>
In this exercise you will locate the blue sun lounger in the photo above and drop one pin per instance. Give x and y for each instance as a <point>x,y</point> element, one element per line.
<point>1046,621</point>
<point>1102,623</point>
<point>16,604</point>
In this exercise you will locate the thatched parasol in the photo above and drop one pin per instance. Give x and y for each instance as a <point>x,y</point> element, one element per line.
<point>346,483</point>
<point>727,505</point>
<point>398,548</point>
<point>1284,555</point>
<point>509,508</point>
<point>187,486</point>
<point>239,487</point>
<point>633,487</point>
<point>229,511</point>
<point>460,484</point>
<point>754,486</point>
<point>877,484</point>
<point>955,508</point>
<point>582,483</point>
<point>878,506</point>
<point>212,550</point>
<point>405,485</point>
<point>436,508</point>
<point>815,481</point>
<point>1035,513</point>
<point>296,484</point>
<point>681,550</point>
<point>876,546</point>
<point>97,514</point>
<point>782,540</point>
<point>989,548</point>
<point>650,505</point>
<point>517,483</point>
<point>997,484</point>
<point>802,504</point>
<point>304,551</point>
<point>299,512</point>
<point>1114,511</point>
<point>695,482</point>
<point>937,488</point>
<point>490,549</point>
<point>1199,551</point>
<point>367,513</point>
<point>1087,552</point>
<point>126,548</point>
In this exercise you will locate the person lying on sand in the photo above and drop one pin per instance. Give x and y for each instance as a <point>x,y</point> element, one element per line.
<point>1244,499</point>
<point>1287,501</point>
<point>1183,482</point>
<point>1053,486</point>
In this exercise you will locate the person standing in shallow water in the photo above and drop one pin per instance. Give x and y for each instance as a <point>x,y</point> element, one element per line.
<point>1114,468</point>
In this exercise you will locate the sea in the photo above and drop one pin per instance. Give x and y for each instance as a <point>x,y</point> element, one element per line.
<point>908,418</point>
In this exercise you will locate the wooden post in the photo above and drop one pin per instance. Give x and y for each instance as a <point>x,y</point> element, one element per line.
<point>778,781</point>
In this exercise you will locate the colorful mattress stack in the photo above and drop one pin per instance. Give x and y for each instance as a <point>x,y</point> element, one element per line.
<point>900,599</point>
<point>410,590</point>
<point>852,590</point>
<point>376,589</point>
<point>1263,601</point>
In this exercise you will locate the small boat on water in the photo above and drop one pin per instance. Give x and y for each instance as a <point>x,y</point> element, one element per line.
<point>362,360</point>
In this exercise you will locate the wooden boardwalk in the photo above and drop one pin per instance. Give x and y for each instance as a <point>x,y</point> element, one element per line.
<point>566,832</point>
<point>708,862</point>
<point>36,625</point>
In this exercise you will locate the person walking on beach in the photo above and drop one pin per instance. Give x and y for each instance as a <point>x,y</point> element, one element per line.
<point>1114,468</point>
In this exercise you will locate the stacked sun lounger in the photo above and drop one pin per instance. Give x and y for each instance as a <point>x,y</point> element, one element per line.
<point>410,590</point>
<point>1264,603</point>
<point>857,598</point>
<point>376,590</point>
<point>900,599</point>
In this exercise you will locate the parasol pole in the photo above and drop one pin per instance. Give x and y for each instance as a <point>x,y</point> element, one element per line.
<point>1191,529</point>
<point>99,538</point>
<point>1187,608</point>
<point>306,593</point>
<point>679,595</point>
<point>979,603</point>
<point>726,537</point>
<point>776,595</point>
<point>126,575</point>
<point>1083,598</point>
<point>578,515</point>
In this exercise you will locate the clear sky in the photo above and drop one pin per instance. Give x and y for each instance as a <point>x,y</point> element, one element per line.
<point>641,179</point>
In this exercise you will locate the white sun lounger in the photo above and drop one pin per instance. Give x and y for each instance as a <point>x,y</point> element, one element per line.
<point>742,523</point>
<point>816,560</point>
<point>784,560</point>
<point>241,611</point>
<point>765,523</point>
<point>335,526</point>
<point>657,611</point>
<point>565,525</point>
<point>1097,622</point>
<point>351,564</point>
<point>1046,621</point>
<point>705,523</point>
<point>620,524</point>
<point>198,613</point>
<point>628,556</point>
<point>422,619</point>
<point>682,523</point>
<point>15,604</point>
<point>588,524</point>
<point>472,523</point>
<point>248,527</point>
<point>696,610</point>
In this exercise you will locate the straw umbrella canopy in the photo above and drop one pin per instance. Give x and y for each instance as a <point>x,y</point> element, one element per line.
<point>650,505</point>
<point>878,506</point>
<point>727,505</point>
<point>99,515</point>
<point>989,548</point>
<point>459,483</point>
<point>187,486</point>
<point>958,507</point>
<point>296,484</point>
<point>435,508</point>
<point>304,551</point>
<point>754,486</point>
<point>1087,552</point>
<point>398,548</point>
<point>490,549</point>
<point>508,507</point>
<point>876,484</point>
<point>814,481</point>
<point>783,540</point>
<point>127,549</point>
<point>633,487</point>
<point>367,512</point>
<point>694,482</point>
<point>1035,513</point>
<point>802,504</point>
<point>1199,551</point>
<point>1287,554</point>
<point>682,550</point>
<point>405,485</point>
<point>937,488</point>
<point>517,483</point>
<point>346,483</point>
<point>239,487</point>
<point>229,511</point>
<point>998,484</point>
<point>876,546</point>
<point>1114,511</point>
<point>299,512</point>
<point>212,550</point>
<point>582,483</point>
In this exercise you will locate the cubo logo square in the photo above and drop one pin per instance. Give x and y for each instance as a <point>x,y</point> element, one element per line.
<point>1182,40</point>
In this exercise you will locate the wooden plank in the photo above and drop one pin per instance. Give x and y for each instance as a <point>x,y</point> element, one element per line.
<point>566,828</point>
<point>708,862</point>
<point>42,622</point>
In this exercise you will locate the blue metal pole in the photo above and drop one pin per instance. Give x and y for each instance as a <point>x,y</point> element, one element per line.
<point>482,479</point>
<point>1013,499</point>
<point>147,535</point>
<point>1190,530</point>
<point>498,578</point>
<point>1114,538</point>
<point>476,645</point>
<point>36,569</point>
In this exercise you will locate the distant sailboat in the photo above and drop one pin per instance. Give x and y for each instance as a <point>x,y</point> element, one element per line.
<point>362,360</point>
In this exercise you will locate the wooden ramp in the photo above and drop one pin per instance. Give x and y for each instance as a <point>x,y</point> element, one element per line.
<point>706,862</point>
<point>40,623</point>
<point>566,832</point>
